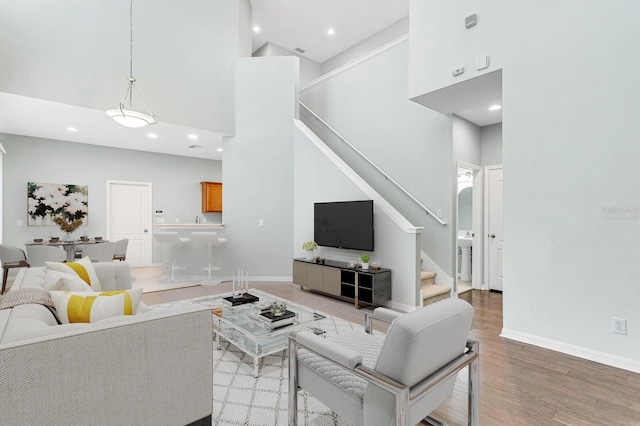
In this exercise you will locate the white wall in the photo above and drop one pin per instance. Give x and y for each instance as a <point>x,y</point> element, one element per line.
<point>491,145</point>
<point>309,69</point>
<point>77,52</point>
<point>368,105</point>
<point>319,179</point>
<point>244,28</point>
<point>379,39</point>
<point>433,59</point>
<point>466,140</point>
<point>176,182</point>
<point>571,192</point>
<point>258,168</point>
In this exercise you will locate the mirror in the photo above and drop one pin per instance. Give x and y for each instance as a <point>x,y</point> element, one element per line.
<point>465,227</point>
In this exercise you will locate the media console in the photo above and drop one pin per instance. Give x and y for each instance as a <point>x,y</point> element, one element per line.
<point>363,287</point>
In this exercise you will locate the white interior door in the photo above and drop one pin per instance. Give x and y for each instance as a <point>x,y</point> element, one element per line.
<point>494,234</point>
<point>129,205</point>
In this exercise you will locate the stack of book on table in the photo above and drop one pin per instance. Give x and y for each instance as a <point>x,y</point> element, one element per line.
<point>243,299</point>
<point>278,321</point>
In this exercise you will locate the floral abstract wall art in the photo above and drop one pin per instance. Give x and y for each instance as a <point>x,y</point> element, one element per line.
<point>54,204</point>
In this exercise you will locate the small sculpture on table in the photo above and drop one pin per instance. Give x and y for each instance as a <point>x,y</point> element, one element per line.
<point>240,291</point>
<point>240,284</point>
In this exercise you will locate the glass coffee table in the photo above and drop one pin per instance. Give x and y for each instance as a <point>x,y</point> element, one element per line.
<point>243,327</point>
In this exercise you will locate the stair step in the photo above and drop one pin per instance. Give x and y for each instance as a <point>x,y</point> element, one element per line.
<point>427,274</point>
<point>435,292</point>
<point>427,278</point>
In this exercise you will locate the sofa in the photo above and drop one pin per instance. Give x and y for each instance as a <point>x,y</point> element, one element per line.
<point>152,368</point>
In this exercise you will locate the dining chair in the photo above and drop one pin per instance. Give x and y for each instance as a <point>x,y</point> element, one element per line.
<point>121,249</point>
<point>100,252</point>
<point>397,379</point>
<point>37,255</point>
<point>11,257</point>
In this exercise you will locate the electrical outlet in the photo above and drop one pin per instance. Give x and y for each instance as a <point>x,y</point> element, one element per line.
<point>260,222</point>
<point>619,325</point>
<point>439,213</point>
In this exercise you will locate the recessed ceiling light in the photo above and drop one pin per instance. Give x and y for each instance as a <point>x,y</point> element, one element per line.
<point>256,29</point>
<point>219,149</point>
<point>192,137</point>
<point>152,135</point>
<point>331,31</point>
<point>195,146</point>
<point>494,107</point>
<point>72,129</point>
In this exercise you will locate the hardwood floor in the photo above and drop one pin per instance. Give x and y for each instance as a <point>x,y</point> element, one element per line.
<point>520,384</point>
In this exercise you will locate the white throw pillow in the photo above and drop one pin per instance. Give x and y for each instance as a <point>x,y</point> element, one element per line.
<point>59,281</point>
<point>75,306</point>
<point>82,268</point>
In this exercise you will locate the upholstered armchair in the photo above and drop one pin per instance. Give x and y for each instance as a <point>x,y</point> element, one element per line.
<point>395,379</point>
<point>11,257</point>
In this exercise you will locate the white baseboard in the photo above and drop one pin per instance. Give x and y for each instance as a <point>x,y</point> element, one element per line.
<point>267,278</point>
<point>401,306</point>
<point>442,277</point>
<point>565,348</point>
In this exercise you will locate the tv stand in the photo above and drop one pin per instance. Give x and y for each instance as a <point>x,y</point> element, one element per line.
<point>363,287</point>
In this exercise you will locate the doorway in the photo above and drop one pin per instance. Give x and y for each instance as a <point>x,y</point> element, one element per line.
<point>129,216</point>
<point>493,225</point>
<point>469,247</point>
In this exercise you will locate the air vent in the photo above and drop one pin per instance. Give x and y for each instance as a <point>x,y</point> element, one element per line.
<point>470,21</point>
<point>300,51</point>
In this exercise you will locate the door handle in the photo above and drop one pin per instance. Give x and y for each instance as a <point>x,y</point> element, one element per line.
<point>492,235</point>
<point>146,230</point>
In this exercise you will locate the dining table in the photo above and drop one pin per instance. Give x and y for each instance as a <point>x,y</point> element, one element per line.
<point>68,246</point>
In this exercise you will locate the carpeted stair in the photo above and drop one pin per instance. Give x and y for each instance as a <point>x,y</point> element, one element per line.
<point>432,292</point>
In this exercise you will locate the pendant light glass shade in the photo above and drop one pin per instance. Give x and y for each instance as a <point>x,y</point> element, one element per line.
<point>132,119</point>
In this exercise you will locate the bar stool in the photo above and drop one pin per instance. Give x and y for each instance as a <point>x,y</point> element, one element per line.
<point>174,240</point>
<point>211,239</point>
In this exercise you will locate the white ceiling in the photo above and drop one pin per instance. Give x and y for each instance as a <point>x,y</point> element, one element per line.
<point>469,99</point>
<point>288,23</point>
<point>304,24</point>
<point>21,115</point>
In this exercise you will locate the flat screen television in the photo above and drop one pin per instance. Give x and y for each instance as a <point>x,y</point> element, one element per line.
<point>344,224</point>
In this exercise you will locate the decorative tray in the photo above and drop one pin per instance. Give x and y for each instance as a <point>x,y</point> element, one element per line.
<point>242,300</point>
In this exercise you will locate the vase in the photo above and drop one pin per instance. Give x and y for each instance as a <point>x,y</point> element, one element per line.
<point>67,237</point>
<point>365,265</point>
<point>309,255</point>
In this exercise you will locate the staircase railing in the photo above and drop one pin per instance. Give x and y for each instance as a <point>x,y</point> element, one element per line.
<point>375,166</point>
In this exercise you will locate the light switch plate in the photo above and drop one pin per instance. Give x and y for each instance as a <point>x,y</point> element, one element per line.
<point>482,63</point>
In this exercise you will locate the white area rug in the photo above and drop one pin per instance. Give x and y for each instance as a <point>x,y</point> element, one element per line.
<point>241,399</point>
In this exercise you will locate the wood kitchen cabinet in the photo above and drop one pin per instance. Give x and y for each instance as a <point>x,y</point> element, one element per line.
<point>211,197</point>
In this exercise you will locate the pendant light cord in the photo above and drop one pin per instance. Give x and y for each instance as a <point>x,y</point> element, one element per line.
<point>131,39</point>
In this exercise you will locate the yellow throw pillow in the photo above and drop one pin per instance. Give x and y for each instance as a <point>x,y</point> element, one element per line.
<point>82,268</point>
<point>84,306</point>
<point>59,281</point>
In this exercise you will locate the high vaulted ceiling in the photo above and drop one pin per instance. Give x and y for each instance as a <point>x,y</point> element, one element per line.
<point>304,24</point>
<point>93,34</point>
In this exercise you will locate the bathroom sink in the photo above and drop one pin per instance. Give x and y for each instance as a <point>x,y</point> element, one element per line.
<point>465,241</point>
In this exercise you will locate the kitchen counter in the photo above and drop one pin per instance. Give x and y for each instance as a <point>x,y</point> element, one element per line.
<point>189,225</point>
<point>192,258</point>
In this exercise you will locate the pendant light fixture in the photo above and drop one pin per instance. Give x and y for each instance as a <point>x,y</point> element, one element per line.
<point>128,117</point>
